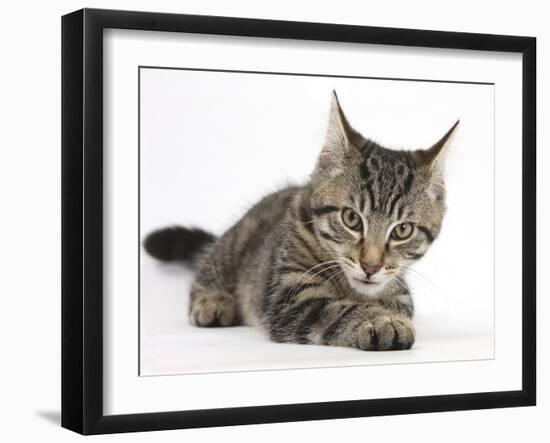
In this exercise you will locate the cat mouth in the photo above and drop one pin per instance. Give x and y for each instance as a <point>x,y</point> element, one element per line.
<point>365,281</point>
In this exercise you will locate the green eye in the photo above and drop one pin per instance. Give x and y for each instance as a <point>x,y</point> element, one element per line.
<point>351,219</point>
<point>402,231</point>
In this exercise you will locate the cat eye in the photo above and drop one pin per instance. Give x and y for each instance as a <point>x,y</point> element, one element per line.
<point>402,231</point>
<point>352,219</point>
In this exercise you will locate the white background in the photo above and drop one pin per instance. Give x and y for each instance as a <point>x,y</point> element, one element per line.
<point>213,143</point>
<point>30,183</point>
<point>127,393</point>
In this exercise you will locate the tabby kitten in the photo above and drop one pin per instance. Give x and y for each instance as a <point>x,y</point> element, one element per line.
<point>323,263</point>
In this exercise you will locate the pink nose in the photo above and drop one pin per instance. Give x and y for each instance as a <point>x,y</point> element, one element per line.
<point>370,269</point>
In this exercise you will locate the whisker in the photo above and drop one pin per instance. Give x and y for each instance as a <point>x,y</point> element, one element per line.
<point>336,274</point>
<point>429,286</point>
<point>400,282</point>
<point>329,264</point>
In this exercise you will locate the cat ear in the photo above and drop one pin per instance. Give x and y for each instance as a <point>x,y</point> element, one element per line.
<point>339,139</point>
<point>434,157</point>
<point>432,161</point>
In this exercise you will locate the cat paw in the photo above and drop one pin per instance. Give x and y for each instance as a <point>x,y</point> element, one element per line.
<point>214,310</point>
<point>386,333</point>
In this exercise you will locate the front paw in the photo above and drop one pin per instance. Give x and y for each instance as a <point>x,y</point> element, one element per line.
<point>386,333</point>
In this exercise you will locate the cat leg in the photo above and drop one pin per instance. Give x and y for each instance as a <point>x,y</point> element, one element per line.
<point>371,329</point>
<point>314,316</point>
<point>212,307</point>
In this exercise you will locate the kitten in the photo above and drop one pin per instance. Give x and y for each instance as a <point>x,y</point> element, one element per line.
<point>323,263</point>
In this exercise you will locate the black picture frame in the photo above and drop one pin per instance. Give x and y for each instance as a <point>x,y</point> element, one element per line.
<point>82,220</point>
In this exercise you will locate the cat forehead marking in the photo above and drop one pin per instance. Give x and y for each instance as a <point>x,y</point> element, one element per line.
<point>386,176</point>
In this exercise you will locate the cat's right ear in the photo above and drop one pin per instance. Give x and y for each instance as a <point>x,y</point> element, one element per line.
<point>338,144</point>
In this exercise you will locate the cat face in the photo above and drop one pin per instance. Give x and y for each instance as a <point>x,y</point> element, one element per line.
<point>376,210</point>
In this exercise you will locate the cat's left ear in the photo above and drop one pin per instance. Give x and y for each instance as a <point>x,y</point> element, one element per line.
<point>434,157</point>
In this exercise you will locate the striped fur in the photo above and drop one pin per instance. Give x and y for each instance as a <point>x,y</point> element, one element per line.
<point>291,266</point>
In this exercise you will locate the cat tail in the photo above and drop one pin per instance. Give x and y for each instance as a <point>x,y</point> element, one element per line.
<point>177,243</point>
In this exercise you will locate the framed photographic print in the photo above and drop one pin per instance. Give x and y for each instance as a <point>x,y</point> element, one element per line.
<point>269,221</point>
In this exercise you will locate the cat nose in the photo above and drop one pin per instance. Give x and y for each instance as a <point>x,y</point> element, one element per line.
<point>370,269</point>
